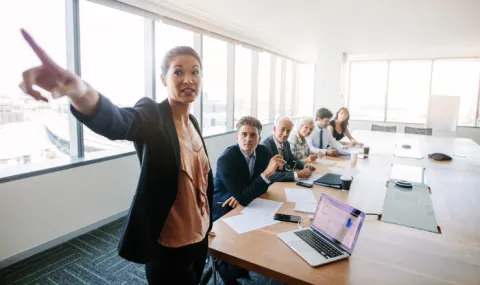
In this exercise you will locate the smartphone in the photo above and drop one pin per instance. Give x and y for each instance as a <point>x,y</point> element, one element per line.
<point>303,184</point>
<point>287,218</point>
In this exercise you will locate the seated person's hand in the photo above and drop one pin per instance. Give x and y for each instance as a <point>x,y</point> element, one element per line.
<point>304,173</point>
<point>278,161</point>
<point>232,202</point>
<point>348,145</point>
<point>332,152</point>
<point>359,144</point>
<point>312,157</point>
<point>311,167</point>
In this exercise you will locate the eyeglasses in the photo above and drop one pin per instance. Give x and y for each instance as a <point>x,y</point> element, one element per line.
<point>289,168</point>
<point>286,167</point>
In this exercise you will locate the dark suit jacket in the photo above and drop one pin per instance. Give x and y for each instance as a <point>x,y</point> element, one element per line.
<point>233,178</point>
<point>150,126</point>
<point>288,155</point>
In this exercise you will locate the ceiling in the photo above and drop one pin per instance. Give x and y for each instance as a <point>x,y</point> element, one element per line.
<point>303,28</point>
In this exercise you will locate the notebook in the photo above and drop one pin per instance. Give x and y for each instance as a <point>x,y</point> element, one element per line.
<point>329,180</point>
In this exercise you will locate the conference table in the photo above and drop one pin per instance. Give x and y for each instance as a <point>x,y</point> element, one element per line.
<point>385,253</point>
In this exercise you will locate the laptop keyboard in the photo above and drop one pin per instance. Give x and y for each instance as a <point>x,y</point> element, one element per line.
<point>319,244</point>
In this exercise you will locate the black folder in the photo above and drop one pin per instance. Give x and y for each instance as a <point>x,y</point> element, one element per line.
<point>329,180</point>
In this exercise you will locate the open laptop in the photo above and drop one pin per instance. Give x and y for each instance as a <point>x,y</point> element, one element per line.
<point>332,234</point>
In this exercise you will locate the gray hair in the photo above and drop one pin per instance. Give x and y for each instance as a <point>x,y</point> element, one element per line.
<point>284,118</point>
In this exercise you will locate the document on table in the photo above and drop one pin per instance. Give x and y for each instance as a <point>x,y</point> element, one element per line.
<point>248,222</point>
<point>355,149</point>
<point>326,161</point>
<point>297,195</point>
<point>311,178</point>
<point>306,207</point>
<point>262,208</point>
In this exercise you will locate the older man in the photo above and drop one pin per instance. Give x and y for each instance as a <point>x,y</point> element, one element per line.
<point>278,144</point>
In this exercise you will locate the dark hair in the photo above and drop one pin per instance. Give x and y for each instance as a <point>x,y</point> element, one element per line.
<point>249,121</point>
<point>323,113</point>
<point>178,51</point>
<point>344,124</point>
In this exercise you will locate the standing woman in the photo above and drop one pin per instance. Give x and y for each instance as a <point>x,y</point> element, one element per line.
<point>170,216</point>
<point>338,127</point>
<point>298,142</point>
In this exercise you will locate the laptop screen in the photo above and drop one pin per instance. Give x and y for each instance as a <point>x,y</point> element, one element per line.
<point>338,221</point>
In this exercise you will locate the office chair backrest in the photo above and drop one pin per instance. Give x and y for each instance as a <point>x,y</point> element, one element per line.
<point>418,131</point>
<point>391,129</point>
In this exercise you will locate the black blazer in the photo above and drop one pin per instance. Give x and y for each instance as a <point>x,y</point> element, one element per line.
<point>150,126</point>
<point>288,155</point>
<point>233,178</point>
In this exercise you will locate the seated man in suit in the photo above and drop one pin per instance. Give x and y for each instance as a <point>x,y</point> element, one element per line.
<point>278,144</point>
<point>244,171</point>
<point>320,139</point>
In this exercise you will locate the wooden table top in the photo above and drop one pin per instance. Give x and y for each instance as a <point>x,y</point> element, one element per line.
<point>385,253</point>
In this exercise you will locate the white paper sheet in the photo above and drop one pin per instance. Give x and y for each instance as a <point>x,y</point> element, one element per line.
<point>248,222</point>
<point>297,195</point>
<point>306,207</point>
<point>355,149</point>
<point>262,207</point>
<point>344,171</point>
<point>326,161</point>
<point>311,178</point>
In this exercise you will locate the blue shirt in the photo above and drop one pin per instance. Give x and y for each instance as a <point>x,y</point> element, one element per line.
<point>251,165</point>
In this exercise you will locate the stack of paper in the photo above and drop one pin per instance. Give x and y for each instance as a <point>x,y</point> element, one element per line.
<point>297,195</point>
<point>311,178</point>
<point>306,207</point>
<point>304,199</point>
<point>258,214</point>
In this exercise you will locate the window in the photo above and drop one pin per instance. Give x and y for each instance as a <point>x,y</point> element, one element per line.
<point>288,89</point>
<point>408,91</point>
<point>214,86</point>
<point>306,86</point>
<point>458,77</point>
<point>31,131</point>
<point>166,38</point>
<point>243,82</point>
<point>264,60</point>
<point>368,87</point>
<point>112,55</point>
<point>278,86</point>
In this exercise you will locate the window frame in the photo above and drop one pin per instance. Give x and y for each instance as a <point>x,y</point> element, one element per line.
<point>348,97</point>
<point>73,48</point>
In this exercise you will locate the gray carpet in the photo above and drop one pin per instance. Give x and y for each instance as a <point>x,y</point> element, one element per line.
<point>89,259</point>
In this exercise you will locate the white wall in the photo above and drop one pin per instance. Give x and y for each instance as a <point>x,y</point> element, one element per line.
<point>42,211</point>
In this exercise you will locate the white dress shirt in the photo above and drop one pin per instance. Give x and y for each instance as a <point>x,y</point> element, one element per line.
<point>314,141</point>
<point>251,165</point>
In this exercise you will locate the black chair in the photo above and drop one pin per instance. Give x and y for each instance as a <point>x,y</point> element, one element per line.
<point>418,131</point>
<point>377,128</point>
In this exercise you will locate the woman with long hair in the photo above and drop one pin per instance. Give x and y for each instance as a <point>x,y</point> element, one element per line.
<point>338,127</point>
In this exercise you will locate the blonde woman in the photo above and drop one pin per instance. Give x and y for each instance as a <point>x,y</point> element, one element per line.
<point>298,142</point>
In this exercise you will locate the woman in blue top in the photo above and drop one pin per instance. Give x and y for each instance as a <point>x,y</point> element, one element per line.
<point>338,127</point>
